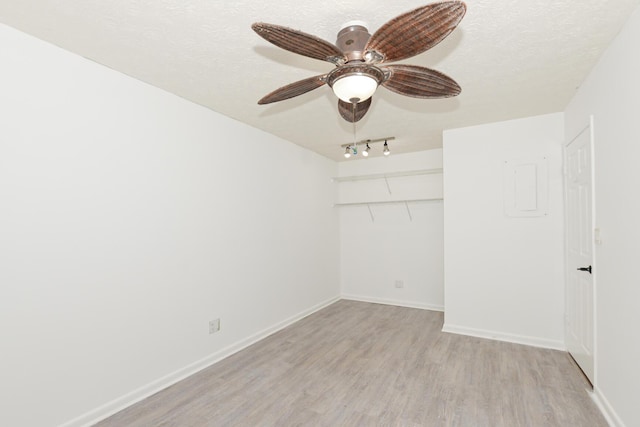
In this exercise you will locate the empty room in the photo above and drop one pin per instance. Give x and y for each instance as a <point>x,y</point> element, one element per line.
<point>343,213</point>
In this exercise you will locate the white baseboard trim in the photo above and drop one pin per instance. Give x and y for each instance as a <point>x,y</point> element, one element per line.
<point>504,336</point>
<point>607,410</point>
<point>410,304</point>
<point>116,405</point>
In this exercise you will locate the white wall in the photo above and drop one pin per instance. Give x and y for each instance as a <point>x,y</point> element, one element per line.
<point>503,275</point>
<point>129,218</point>
<point>394,246</point>
<point>612,94</point>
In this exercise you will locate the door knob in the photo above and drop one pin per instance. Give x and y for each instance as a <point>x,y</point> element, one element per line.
<point>585,269</point>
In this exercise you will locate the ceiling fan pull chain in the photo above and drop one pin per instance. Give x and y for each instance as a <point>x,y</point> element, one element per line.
<point>353,107</point>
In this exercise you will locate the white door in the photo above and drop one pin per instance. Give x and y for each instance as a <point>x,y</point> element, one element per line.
<point>579,304</point>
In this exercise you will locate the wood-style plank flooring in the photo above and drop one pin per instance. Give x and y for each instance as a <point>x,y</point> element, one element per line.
<point>361,364</point>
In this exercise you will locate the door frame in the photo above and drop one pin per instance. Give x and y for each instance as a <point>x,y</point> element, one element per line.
<point>589,127</point>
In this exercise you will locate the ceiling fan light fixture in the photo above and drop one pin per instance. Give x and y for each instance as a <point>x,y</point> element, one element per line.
<point>354,83</point>
<point>355,88</point>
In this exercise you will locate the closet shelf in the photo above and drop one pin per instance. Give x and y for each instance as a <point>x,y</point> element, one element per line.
<point>387,175</point>
<point>389,202</point>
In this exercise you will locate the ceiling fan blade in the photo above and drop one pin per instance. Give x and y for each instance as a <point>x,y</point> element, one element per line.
<point>298,42</point>
<point>293,89</point>
<point>416,31</point>
<point>347,112</point>
<point>420,82</point>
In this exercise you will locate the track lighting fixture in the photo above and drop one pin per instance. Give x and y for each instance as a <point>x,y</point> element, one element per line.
<point>351,148</point>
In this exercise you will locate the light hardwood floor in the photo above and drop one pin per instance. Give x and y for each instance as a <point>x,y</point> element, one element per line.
<point>361,364</point>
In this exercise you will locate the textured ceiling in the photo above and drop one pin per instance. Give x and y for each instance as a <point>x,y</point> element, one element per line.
<point>512,59</point>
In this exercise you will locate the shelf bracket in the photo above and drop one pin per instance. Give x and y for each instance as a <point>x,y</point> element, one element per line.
<point>387,181</point>
<point>370,212</point>
<point>408,211</point>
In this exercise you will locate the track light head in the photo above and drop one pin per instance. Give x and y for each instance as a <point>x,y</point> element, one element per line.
<point>347,152</point>
<point>386,151</point>
<point>365,152</point>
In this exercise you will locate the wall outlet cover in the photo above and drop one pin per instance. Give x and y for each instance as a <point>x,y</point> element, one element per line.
<point>214,326</point>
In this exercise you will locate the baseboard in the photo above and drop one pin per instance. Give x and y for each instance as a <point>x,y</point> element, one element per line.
<point>607,410</point>
<point>503,336</point>
<point>409,304</point>
<point>143,392</point>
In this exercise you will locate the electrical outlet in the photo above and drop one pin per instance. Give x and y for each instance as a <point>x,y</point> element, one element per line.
<point>214,326</point>
<point>399,283</point>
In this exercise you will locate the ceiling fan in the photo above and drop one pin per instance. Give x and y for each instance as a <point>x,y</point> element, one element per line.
<point>357,56</point>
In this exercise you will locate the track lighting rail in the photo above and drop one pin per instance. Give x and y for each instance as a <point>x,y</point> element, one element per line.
<point>368,141</point>
<point>351,148</point>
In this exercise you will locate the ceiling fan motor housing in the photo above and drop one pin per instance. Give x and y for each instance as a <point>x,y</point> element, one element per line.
<point>352,39</point>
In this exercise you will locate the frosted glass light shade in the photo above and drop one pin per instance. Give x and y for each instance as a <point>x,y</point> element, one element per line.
<point>356,87</point>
